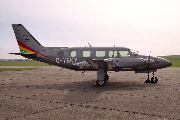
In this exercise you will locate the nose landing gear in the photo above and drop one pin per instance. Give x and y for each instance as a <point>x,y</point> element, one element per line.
<point>153,79</point>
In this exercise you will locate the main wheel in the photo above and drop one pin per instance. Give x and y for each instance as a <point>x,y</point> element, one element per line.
<point>154,80</point>
<point>101,82</point>
<point>106,77</point>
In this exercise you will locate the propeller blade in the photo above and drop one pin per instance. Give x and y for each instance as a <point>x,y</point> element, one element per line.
<point>149,58</point>
<point>149,61</point>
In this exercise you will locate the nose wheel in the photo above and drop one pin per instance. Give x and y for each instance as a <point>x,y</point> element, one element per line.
<point>153,79</point>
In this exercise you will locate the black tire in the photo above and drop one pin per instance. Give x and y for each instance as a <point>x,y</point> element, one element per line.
<point>106,77</point>
<point>154,80</point>
<point>100,83</point>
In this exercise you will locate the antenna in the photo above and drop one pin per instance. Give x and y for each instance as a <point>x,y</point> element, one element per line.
<point>90,45</point>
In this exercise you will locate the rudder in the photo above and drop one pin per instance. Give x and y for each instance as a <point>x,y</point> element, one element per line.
<point>25,38</point>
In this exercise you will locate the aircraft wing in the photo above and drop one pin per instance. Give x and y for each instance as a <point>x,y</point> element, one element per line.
<point>112,63</point>
<point>93,63</point>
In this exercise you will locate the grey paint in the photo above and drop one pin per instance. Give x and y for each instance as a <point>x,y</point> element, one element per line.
<point>59,56</point>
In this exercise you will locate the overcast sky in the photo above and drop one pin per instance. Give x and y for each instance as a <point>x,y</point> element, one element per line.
<point>141,25</point>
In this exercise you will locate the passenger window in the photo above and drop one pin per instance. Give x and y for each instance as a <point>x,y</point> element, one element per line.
<point>100,53</point>
<point>112,53</point>
<point>123,53</point>
<point>60,54</point>
<point>72,53</point>
<point>85,53</point>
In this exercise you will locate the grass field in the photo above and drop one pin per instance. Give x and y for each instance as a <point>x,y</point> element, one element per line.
<point>175,63</point>
<point>172,57</point>
<point>15,69</point>
<point>22,63</point>
<point>175,60</point>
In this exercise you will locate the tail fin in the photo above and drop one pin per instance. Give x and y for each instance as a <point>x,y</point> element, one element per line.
<point>27,43</point>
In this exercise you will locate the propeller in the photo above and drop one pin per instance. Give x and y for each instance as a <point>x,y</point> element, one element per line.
<point>149,62</point>
<point>148,65</point>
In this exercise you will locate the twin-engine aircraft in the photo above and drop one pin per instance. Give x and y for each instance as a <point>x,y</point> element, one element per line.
<point>100,59</point>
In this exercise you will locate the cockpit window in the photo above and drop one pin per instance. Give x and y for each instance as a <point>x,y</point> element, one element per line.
<point>123,53</point>
<point>134,53</point>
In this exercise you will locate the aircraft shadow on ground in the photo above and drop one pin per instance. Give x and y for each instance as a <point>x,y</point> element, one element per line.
<point>81,92</point>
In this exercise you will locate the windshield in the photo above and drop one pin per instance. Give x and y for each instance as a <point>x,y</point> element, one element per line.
<point>135,53</point>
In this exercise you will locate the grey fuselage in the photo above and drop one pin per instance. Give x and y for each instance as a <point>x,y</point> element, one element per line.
<point>68,57</point>
<point>86,58</point>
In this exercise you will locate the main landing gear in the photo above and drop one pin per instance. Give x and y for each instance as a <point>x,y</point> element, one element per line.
<point>153,79</point>
<point>100,83</point>
<point>102,75</point>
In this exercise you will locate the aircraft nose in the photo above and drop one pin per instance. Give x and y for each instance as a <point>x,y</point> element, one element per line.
<point>168,63</point>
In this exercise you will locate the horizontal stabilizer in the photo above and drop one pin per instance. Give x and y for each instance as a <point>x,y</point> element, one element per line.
<point>23,53</point>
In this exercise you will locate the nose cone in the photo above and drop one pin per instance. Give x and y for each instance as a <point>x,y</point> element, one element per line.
<point>161,63</point>
<point>170,63</point>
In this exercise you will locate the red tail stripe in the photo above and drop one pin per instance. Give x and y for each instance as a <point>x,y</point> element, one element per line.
<point>28,48</point>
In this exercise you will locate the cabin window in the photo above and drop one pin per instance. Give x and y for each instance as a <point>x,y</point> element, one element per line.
<point>60,54</point>
<point>72,53</point>
<point>123,53</point>
<point>112,53</point>
<point>100,53</point>
<point>85,53</point>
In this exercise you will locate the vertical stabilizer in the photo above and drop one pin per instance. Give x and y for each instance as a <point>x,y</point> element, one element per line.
<point>24,38</point>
